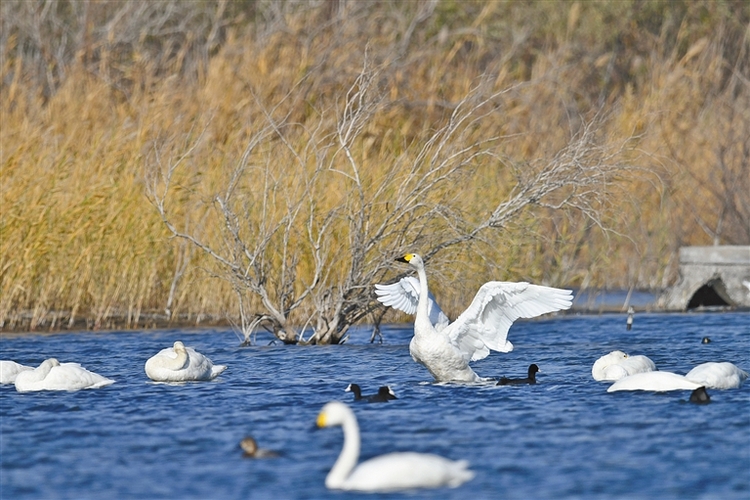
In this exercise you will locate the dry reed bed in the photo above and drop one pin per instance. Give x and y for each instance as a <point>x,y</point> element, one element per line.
<point>79,237</point>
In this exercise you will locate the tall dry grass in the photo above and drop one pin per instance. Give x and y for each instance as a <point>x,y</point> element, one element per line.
<point>85,110</point>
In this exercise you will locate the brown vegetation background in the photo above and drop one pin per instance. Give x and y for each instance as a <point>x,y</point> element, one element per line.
<point>90,90</point>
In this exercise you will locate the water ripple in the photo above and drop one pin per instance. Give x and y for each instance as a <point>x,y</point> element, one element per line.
<point>563,438</point>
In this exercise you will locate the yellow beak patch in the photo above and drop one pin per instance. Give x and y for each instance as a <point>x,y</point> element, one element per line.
<point>321,419</point>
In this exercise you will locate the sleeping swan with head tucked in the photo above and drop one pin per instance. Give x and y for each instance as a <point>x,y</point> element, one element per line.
<point>389,472</point>
<point>617,365</point>
<point>52,375</point>
<point>656,381</point>
<point>181,364</point>
<point>445,348</point>
<point>718,375</point>
<point>9,370</point>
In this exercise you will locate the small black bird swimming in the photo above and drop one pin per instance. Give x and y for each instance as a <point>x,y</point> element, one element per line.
<point>384,394</point>
<point>706,340</point>
<point>533,369</point>
<point>700,396</point>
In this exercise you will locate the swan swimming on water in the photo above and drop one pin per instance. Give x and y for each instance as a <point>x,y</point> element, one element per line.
<point>446,349</point>
<point>389,472</point>
<point>617,365</point>
<point>717,375</point>
<point>10,369</point>
<point>656,381</point>
<point>51,375</point>
<point>181,364</point>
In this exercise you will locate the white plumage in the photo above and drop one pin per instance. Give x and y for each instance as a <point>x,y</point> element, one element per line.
<point>446,349</point>
<point>656,381</point>
<point>617,365</point>
<point>717,375</point>
<point>181,364</point>
<point>390,472</point>
<point>51,375</point>
<point>404,296</point>
<point>10,369</point>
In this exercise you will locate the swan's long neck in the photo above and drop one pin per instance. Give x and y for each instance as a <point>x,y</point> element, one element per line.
<point>40,372</point>
<point>423,314</point>
<point>179,362</point>
<point>348,456</point>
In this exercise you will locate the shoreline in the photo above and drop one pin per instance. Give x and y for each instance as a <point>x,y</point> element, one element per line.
<point>156,321</point>
<point>60,322</point>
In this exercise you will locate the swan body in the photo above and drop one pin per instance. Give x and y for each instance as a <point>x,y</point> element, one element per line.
<point>181,364</point>
<point>389,472</point>
<point>617,365</point>
<point>383,395</point>
<point>717,375</point>
<point>51,375</point>
<point>10,369</point>
<point>656,381</point>
<point>447,349</point>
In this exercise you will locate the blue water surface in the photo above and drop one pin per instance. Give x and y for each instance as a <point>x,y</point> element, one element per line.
<point>563,438</point>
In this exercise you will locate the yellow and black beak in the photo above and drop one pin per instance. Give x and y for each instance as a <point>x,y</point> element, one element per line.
<point>406,258</point>
<point>321,422</point>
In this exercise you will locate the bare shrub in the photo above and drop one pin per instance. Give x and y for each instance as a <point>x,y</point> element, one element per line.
<point>307,220</point>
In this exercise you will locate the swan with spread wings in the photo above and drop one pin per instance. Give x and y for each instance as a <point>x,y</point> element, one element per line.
<point>445,348</point>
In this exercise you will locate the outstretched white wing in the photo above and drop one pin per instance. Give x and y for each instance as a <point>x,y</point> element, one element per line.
<point>497,304</point>
<point>404,296</point>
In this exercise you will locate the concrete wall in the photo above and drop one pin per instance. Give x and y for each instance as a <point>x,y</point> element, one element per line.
<point>723,268</point>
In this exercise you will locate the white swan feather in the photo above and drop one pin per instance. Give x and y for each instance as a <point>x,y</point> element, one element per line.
<point>181,364</point>
<point>403,295</point>
<point>717,375</point>
<point>10,369</point>
<point>497,304</point>
<point>51,375</point>
<point>656,381</point>
<point>617,365</point>
<point>447,350</point>
<point>389,472</point>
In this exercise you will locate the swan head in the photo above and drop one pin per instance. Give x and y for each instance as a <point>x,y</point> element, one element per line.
<point>612,358</point>
<point>413,259</point>
<point>51,362</point>
<point>334,413</point>
<point>178,346</point>
<point>601,364</point>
